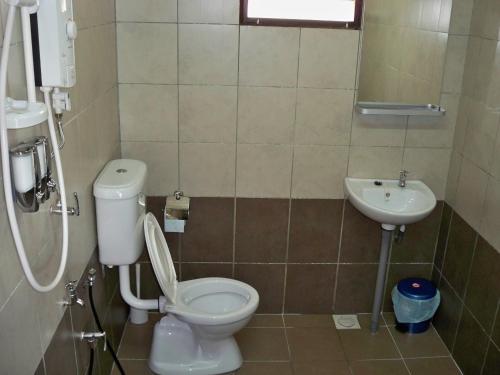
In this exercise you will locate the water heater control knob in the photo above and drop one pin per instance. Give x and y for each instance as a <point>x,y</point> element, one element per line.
<point>71,30</point>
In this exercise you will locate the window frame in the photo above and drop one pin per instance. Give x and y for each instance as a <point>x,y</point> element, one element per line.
<point>354,25</point>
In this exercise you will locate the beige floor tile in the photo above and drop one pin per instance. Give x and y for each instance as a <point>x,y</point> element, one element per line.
<point>255,368</point>
<point>266,321</point>
<point>133,367</point>
<point>362,344</point>
<point>321,368</point>
<point>432,366</point>
<point>292,320</point>
<point>314,344</point>
<point>263,344</point>
<point>383,367</point>
<point>136,342</point>
<point>425,344</point>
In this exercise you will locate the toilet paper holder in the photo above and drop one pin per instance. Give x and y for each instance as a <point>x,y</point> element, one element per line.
<point>176,212</point>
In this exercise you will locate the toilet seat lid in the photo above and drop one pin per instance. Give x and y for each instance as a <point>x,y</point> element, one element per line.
<point>161,259</point>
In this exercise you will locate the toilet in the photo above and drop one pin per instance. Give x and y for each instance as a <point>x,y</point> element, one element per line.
<point>201,316</point>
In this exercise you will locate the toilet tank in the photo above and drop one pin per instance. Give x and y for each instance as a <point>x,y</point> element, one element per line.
<point>120,208</point>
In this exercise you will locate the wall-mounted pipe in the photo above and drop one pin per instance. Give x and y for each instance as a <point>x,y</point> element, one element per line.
<point>128,296</point>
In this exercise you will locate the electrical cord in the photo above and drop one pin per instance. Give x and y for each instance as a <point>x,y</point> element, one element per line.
<point>91,362</point>
<point>99,327</point>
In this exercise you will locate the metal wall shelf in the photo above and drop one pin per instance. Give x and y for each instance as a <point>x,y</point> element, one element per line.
<point>399,109</point>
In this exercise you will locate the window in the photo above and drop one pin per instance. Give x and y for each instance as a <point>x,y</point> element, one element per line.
<point>302,13</point>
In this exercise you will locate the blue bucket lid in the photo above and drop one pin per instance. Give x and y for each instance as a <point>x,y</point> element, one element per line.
<point>417,288</point>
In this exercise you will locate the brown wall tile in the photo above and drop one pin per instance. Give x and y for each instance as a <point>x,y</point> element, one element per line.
<point>448,314</point>
<point>116,318</point>
<point>402,271</point>
<point>261,230</point>
<point>492,363</point>
<point>315,230</point>
<point>40,370</point>
<point>419,242</point>
<point>443,235</point>
<point>496,328</point>
<point>309,288</point>
<point>199,270</point>
<point>470,346</point>
<point>355,288</point>
<point>268,280</point>
<point>208,235</point>
<point>360,237</point>
<point>60,355</point>
<point>483,290</point>
<point>461,242</point>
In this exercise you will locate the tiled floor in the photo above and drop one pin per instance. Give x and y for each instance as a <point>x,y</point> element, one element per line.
<point>310,345</point>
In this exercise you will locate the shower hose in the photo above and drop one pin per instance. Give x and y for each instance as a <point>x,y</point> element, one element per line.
<point>99,327</point>
<point>7,178</point>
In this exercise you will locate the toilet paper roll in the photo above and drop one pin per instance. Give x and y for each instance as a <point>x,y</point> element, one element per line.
<point>174,226</point>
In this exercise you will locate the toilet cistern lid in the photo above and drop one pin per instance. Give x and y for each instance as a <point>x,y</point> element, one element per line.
<point>161,259</point>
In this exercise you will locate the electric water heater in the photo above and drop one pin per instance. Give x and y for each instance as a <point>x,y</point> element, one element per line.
<point>54,57</point>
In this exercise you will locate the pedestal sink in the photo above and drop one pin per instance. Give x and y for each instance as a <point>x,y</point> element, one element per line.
<point>386,202</point>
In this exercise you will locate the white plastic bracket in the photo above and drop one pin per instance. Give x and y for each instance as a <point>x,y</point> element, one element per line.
<point>61,101</point>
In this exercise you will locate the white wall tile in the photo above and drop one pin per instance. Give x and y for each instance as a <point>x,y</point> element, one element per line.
<point>208,54</point>
<point>378,130</point>
<point>19,339</point>
<point>146,10</point>
<point>148,112</point>
<point>266,115</point>
<point>434,131</point>
<point>263,171</point>
<point>269,56</point>
<point>162,160</point>
<point>207,113</point>
<point>319,172</point>
<point>208,169</point>
<point>491,218</point>
<point>322,64</point>
<point>471,192</point>
<point>429,166</point>
<point>147,53</point>
<point>209,11</point>
<point>324,116</point>
<point>375,162</point>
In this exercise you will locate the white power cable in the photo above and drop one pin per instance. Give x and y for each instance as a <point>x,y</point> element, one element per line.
<point>4,144</point>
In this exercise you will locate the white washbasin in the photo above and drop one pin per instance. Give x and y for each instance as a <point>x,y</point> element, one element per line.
<point>384,201</point>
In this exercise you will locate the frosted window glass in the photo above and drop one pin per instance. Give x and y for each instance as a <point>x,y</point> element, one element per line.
<point>316,10</point>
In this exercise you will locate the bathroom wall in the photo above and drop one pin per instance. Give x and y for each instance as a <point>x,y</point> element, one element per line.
<point>467,263</point>
<point>33,324</point>
<point>220,110</point>
<point>257,124</point>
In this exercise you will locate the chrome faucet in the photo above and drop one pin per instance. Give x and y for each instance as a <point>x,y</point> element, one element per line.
<point>402,178</point>
<point>71,289</point>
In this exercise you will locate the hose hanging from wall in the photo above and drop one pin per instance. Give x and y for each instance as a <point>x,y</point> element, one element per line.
<point>91,361</point>
<point>7,178</point>
<point>99,327</point>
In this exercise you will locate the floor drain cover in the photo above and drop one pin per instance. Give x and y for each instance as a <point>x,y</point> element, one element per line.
<point>346,321</point>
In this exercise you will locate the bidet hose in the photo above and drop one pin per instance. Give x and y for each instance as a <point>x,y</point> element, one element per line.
<point>99,327</point>
<point>91,361</point>
<point>7,178</point>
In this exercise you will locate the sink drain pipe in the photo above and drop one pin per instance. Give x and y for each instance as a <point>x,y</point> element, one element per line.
<point>387,231</point>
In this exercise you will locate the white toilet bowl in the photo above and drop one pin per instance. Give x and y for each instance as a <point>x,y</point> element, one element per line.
<point>196,335</point>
